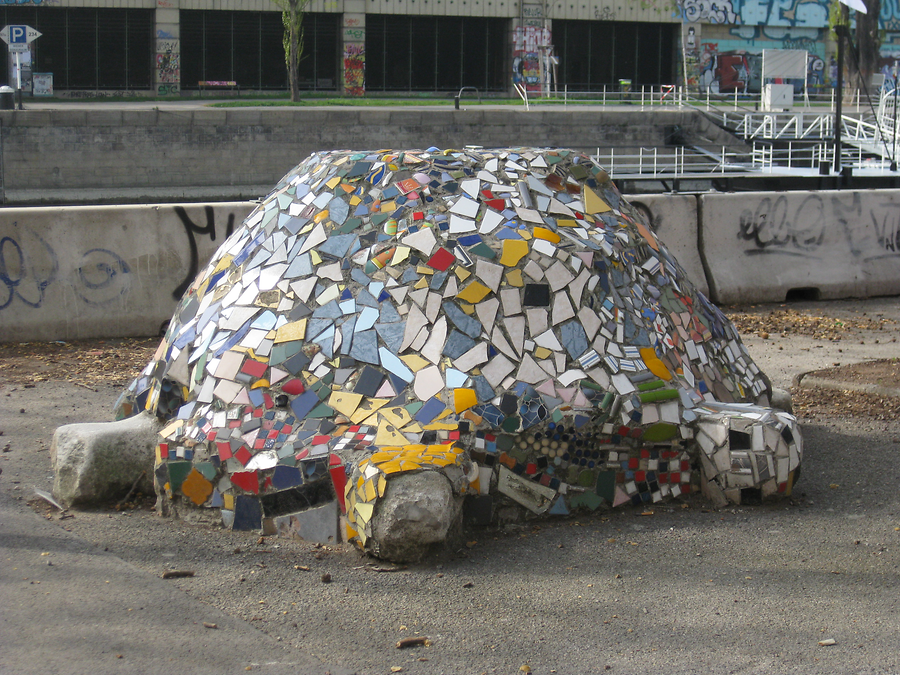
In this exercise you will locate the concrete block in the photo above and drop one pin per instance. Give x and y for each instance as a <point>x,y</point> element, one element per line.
<point>96,462</point>
<point>105,271</point>
<point>674,219</point>
<point>759,247</point>
<point>318,524</point>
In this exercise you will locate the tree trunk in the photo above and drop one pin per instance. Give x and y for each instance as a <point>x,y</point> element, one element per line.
<point>863,63</point>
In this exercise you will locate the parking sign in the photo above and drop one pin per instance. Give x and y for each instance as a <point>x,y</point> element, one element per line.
<point>18,37</point>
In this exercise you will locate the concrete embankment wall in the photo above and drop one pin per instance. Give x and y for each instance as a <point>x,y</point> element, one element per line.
<point>54,156</point>
<point>116,271</point>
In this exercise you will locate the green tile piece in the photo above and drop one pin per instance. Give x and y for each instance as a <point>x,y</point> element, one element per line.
<point>557,415</point>
<point>510,424</point>
<point>483,250</point>
<point>379,218</point>
<point>658,395</point>
<point>586,478</point>
<point>413,408</point>
<point>505,442</point>
<point>320,411</point>
<point>652,384</point>
<point>662,431</point>
<point>606,485</point>
<point>587,500</point>
<point>178,471</point>
<point>350,225</point>
<point>206,469</point>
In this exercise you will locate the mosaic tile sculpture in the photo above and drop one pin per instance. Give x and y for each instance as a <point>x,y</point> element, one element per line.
<point>502,319</point>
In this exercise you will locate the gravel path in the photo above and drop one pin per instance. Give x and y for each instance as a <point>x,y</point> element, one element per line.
<point>681,589</point>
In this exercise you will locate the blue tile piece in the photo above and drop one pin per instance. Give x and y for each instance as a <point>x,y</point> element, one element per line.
<point>388,314</point>
<point>331,310</point>
<point>365,347</point>
<point>363,297</point>
<point>304,403</point>
<point>457,344</point>
<point>285,477</point>
<point>337,245</point>
<point>247,513</point>
<point>338,210</point>
<point>574,339</point>
<point>432,408</point>
<point>301,266</point>
<point>482,388</point>
<point>347,329</point>
<point>470,239</point>
<point>507,233</point>
<point>467,324</point>
<point>391,334</point>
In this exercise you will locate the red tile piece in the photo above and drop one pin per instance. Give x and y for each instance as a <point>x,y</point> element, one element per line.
<point>248,481</point>
<point>243,455</point>
<point>441,260</point>
<point>293,387</point>
<point>254,368</point>
<point>224,450</point>
<point>338,478</point>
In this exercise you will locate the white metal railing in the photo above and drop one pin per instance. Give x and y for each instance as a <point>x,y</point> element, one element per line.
<point>674,162</point>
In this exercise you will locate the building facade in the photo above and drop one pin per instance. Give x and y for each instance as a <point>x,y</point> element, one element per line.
<point>170,47</point>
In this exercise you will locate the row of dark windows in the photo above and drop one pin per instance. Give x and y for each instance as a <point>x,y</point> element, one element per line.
<point>116,49</point>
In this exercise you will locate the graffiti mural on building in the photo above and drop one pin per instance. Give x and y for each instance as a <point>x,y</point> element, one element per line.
<point>531,44</point>
<point>729,66</point>
<point>797,13</point>
<point>168,61</point>
<point>355,69</point>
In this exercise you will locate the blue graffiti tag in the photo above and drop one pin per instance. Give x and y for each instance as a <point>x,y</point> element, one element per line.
<point>14,271</point>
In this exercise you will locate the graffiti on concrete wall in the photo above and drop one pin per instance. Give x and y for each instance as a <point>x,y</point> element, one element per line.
<point>804,228</point>
<point>355,68</point>
<point>30,265</point>
<point>729,66</point>
<point>795,13</point>
<point>168,63</point>
<point>532,49</point>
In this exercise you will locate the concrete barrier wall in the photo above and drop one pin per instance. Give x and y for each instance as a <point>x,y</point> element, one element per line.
<point>757,247</point>
<point>116,271</point>
<point>183,150</point>
<point>103,271</point>
<point>674,219</point>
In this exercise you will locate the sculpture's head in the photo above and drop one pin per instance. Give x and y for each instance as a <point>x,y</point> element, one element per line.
<point>392,332</point>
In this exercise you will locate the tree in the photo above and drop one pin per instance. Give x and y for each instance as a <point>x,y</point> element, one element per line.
<point>292,12</point>
<point>863,51</point>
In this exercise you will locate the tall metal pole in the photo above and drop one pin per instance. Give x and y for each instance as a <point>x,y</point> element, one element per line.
<point>894,152</point>
<point>839,112</point>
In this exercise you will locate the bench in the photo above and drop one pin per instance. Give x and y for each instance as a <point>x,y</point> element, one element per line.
<point>219,84</point>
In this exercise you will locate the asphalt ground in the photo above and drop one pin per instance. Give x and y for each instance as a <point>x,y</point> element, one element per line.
<point>679,588</point>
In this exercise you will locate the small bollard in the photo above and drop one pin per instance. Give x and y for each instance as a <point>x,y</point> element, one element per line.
<point>456,101</point>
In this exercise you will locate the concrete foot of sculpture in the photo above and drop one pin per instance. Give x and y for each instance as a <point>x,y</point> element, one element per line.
<point>94,462</point>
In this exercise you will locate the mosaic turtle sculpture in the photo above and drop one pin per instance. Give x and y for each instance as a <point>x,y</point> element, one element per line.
<point>391,333</point>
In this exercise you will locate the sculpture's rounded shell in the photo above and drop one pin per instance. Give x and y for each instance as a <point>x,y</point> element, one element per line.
<point>501,316</point>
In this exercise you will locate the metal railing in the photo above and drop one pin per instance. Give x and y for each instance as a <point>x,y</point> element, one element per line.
<point>670,162</point>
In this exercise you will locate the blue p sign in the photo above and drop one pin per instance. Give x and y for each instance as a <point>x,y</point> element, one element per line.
<point>18,35</point>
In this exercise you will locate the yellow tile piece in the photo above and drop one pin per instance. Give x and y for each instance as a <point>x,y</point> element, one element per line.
<point>652,361</point>
<point>421,283</point>
<point>548,235</point>
<point>461,273</point>
<point>463,399</point>
<point>172,428</point>
<point>345,403</point>
<point>398,416</point>
<point>467,308</point>
<point>514,278</point>
<point>387,433</point>
<point>390,467</point>
<point>441,426</point>
<point>370,490</point>
<point>355,200</point>
<point>382,485</point>
<point>593,203</point>
<point>334,182</point>
<point>196,488</point>
<point>364,512</point>
<point>513,251</point>
<point>424,269</point>
<point>228,502</point>
<point>415,362</point>
<point>259,384</point>
<point>401,253</point>
<point>315,257</point>
<point>567,222</point>
<point>414,428</point>
<point>387,207</point>
<point>307,228</point>
<point>366,408</point>
<point>542,353</point>
<point>443,414</point>
<point>349,532</point>
<point>320,216</point>
<point>474,292</point>
<point>382,456</point>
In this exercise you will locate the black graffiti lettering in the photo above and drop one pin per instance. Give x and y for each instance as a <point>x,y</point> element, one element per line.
<point>191,229</point>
